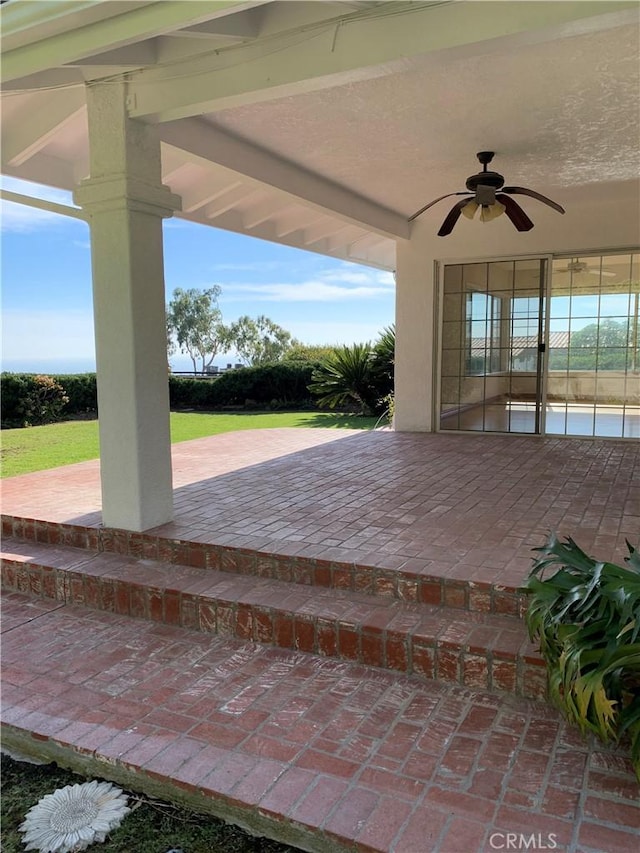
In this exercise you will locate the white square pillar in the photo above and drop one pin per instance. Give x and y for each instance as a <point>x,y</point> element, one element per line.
<point>415,337</point>
<point>126,202</point>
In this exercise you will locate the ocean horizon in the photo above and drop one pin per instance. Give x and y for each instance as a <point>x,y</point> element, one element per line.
<point>179,364</point>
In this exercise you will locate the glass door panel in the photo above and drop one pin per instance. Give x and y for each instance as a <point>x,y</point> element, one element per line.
<point>491,356</point>
<point>593,383</point>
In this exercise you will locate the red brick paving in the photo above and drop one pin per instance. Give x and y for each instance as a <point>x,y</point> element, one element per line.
<point>334,754</point>
<point>329,751</point>
<point>478,649</point>
<point>461,507</point>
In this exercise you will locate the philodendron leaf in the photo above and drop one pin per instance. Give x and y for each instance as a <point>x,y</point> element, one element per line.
<point>586,616</point>
<point>634,557</point>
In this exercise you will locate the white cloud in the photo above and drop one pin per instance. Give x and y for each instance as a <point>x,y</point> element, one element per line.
<point>337,285</point>
<point>251,266</point>
<point>306,291</point>
<point>366,276</point>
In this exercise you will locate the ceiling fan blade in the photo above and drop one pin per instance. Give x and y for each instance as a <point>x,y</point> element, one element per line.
<point>515,213</point>
<point>533,194</point>
<point>435,201</point>
<point>452,217</point>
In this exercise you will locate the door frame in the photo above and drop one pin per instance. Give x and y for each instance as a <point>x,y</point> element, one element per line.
<point>545,302</point>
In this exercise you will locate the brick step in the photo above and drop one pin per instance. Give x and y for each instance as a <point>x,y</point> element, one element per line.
<point>405,579</point>
<point>479,650</point>
<point>327,755</point>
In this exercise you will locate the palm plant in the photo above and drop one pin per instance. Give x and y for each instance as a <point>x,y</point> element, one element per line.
<point>586,617</point>
<point>383,360</point>
<point>344,376</point>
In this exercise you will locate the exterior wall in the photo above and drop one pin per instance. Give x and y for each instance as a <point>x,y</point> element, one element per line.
<point>609,222</point>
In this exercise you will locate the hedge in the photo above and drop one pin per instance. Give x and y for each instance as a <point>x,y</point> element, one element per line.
<point>275,386</point>
<point>81,390</point>
<point>272,385</point>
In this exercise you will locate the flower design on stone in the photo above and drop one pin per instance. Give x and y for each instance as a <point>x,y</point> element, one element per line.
<point>74,817</point>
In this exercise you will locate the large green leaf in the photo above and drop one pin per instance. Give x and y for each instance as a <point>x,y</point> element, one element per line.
<point>586,618</point>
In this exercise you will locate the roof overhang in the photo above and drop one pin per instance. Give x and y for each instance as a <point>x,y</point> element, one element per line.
<point>324,125</point>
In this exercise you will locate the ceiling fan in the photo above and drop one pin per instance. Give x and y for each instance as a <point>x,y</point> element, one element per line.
<point>488,193</point>
<point>576,266</point>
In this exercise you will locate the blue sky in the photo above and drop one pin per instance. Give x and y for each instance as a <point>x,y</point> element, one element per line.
<point>47,321</point>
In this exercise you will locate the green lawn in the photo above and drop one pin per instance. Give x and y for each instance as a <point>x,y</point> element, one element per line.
<point>37,448</point>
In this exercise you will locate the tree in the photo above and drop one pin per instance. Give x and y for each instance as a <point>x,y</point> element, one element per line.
<point>602,345</point>
<point>299,353</point>
<point>259,341</point>
<point>195,322</point>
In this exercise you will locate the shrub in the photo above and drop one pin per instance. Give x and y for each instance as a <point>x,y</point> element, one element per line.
<point>82,392</point>
<point>29,400</point>
<point>186,393</point>
<point>13,387</point>
<point>587,619</point>
<point>285,384</point>
<point>312,354</point>
<point>270,386</point>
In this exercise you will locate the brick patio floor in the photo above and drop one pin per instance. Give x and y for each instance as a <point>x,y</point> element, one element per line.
<point>268,656</point>
<point>457,506</point>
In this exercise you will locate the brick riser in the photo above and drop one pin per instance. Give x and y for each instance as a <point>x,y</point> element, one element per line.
<point>405,586</point>
<point>481,651</point>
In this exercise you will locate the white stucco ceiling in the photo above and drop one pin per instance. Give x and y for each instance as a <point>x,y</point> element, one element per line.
<point>556,114</point>
<point>326,125</point>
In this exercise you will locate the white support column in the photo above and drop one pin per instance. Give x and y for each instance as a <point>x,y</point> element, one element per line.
<point>125,202</point>
<point>415,339</point>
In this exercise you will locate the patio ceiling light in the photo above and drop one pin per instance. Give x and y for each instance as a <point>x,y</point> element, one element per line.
<point>489,193</point>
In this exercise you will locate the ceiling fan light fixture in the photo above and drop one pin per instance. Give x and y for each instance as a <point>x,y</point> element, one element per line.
<point>491,212</point>
<point>469,210</point>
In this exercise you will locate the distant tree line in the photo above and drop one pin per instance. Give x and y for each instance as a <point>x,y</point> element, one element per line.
<point>606,345</point>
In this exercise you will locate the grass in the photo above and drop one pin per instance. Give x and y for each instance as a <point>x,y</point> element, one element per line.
<point>41,447</point>
<point>152,827</point>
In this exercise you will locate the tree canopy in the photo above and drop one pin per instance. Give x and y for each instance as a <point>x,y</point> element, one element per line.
<point>194,322</point>
<point>601,346</point>
<point>259,341</point>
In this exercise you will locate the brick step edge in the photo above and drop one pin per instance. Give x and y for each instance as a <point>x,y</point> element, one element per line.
<point>467,652</point>
<point>405,585</point>
<point>131,776</point>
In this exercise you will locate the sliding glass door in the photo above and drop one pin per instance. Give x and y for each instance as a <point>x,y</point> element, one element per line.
<point>493,326</point>
<point>534,346</point>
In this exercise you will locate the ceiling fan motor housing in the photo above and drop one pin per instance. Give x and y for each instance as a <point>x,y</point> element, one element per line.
<point>486,179</point>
